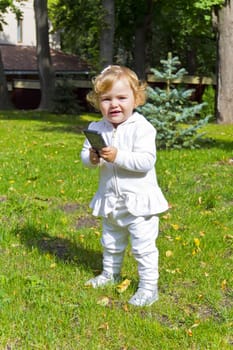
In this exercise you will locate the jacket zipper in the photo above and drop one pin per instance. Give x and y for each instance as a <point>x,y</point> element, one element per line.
<point>114,167</point>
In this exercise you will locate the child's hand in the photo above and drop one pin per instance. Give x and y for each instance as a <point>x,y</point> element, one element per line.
<point>109,153</point>
<point>94,157</point>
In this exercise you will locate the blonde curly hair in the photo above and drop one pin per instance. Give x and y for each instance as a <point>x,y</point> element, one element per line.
<point>105,80</point>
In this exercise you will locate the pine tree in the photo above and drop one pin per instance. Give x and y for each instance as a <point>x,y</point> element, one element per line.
<point>171,111</point>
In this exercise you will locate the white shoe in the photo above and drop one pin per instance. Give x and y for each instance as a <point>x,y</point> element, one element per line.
<point>144,297</point>
<point>102,280</point>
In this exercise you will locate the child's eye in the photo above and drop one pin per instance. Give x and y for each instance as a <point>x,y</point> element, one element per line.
<point>105,99</point>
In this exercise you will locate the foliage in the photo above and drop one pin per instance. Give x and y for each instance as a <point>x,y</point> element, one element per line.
<point>49,245</point>
<point>207,4</point>
<point>79,25</point>
<point>171,110</point>
<point>186,31</point>
<point>9,5</point>
<point>208,98</point>
<point>183,28</point>
<point>65,99</point>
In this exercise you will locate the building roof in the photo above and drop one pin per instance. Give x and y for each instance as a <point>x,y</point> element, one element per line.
<point>22,59</point>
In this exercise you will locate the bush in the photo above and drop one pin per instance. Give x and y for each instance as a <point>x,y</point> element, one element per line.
<point>208,98</point>
<point>171,110</point>
<point>66,101</point>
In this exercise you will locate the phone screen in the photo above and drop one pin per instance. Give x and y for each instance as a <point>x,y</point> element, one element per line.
<point>95,138</point>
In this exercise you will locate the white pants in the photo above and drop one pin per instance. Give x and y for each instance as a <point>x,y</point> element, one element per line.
<point>118,227</point>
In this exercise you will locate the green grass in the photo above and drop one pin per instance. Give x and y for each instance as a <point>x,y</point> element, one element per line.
<point>49,246</point>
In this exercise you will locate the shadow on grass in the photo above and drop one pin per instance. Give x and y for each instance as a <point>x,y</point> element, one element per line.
<point>71,123</point>
<point>39,115</point>
<point>62,248</point>
<point>42,116</point>
<point>75,129</point>
<point>208,143</point>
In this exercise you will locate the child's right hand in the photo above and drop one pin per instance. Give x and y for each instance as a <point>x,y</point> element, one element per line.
<point>109,153</point>
<point>94,158</point>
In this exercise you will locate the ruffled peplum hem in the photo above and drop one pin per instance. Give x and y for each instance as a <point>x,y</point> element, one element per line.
<point>137,204</point>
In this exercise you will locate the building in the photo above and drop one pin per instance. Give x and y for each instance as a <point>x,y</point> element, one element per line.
<point>18,50</point>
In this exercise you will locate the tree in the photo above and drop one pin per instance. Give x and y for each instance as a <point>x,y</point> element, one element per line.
<point>46,72</point>
<point>222,14</point>
<point>145,30</point>
<point>133,28</point>
<point>170,109</point>
<point>143,27</point>
<point>79,24</point>
<point>224,98</point>
<point>107,33</point>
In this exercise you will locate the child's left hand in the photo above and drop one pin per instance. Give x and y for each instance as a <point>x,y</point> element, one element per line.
<point>109,153</point>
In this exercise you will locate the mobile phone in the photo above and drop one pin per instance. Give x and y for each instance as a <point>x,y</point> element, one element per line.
<point>95,138</point>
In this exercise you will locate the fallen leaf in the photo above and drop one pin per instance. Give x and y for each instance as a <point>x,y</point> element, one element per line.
<point>123,286</point>
<point>125,308</point>
<point>169,238</point>
<point>177,270</point>
<point>224,285</point>
<point>175,226</point>
<point>196,324</point>
<point>104,326</point>
<point>104,301</point>
<point>197,242</point>
<point>166,216</point>
<point>228,236</point>
<point>169,253</point>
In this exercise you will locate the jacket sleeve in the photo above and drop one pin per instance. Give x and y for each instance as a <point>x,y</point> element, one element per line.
<point>85,152</point>
<point>142,157</point>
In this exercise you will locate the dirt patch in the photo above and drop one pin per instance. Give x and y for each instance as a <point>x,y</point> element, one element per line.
<point>70,208</point>
<point>61,248</point>
<point>3,198</point>
<point>86,221</point>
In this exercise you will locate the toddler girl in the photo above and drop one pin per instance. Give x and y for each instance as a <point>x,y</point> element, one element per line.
<point>128,197</point>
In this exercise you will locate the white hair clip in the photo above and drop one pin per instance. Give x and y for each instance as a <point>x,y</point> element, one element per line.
<point>105,69</point>
<point>110,67</point>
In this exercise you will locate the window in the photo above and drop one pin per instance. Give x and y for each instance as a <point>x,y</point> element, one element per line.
<point>19,30</point>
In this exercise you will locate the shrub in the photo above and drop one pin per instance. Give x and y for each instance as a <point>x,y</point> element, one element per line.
<point>209,98</point>
<point>171,110</point>
<point>66,101</point>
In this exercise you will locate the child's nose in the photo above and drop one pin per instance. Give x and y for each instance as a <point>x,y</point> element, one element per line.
<point>114,102</point>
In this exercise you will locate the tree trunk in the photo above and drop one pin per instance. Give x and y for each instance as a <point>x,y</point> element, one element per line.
<point>141,32</point>
<point>5,102</point>
<point>107,33</point>
<point>140,51</point>
<point>46,72</point>
<point>224,98</point>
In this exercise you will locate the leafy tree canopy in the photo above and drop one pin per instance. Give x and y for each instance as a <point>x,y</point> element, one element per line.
<point>11,5</point>
<point>79,24</point>
<point>207,4</point>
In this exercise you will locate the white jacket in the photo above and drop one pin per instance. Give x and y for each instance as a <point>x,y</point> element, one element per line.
<point>132,175</point>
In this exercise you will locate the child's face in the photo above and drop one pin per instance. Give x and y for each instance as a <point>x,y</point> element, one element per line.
<point>117,104</point>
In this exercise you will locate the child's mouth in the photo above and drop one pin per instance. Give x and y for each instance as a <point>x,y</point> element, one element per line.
<point>114,113</point>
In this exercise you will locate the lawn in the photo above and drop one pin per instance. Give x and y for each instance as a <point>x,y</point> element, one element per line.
<point>49,246</point>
